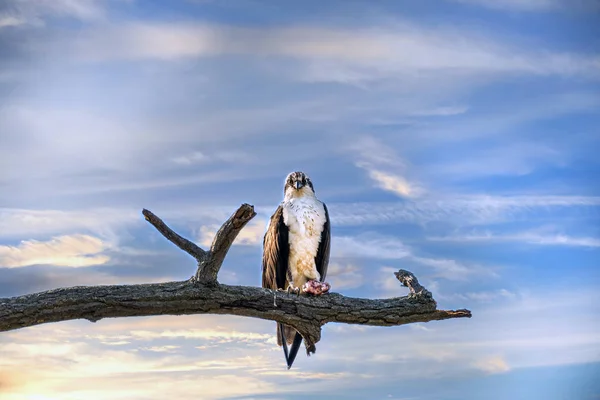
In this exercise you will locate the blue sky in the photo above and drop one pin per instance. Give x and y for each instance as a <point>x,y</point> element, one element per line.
<point>456,139</point>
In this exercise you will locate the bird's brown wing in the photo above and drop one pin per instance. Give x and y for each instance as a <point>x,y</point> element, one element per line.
<point>275,264</point>
<point>322,257</point>
<point>275,253</point>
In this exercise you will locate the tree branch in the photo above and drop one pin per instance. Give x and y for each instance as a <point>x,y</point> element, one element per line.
<point>204,295</point>
<point>306,314</point>
<point>208,269</point>
<point>189,247</point>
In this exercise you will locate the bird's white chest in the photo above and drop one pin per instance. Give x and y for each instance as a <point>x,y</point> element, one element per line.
<point>304,217</point>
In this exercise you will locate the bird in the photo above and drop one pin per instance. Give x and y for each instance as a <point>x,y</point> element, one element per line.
<point>296,249</point>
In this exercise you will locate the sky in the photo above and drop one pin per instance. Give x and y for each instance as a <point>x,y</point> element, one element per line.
<point>456,139</point>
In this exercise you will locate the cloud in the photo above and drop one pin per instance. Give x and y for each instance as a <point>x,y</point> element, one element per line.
<point>392,183</point>
<point>206,334</point>
<point>251,235</point>
<point>35,12</point>
<point>530,237</point>
<point>518,5</point>
<point>330,54</point>
<point>472,209</point>
<point>159,349</point>
<point>519,159</point>
<point>492,365</point>
<point>344,276</point>
<point>480,296</point>
<point>383,166</point>
<point>368,245</point>
<point>454,269</point>
<point>17,222</point>
<point>198,157</point>
<point>534,5</point>
<point>10,20</point>
<point>68,251</point>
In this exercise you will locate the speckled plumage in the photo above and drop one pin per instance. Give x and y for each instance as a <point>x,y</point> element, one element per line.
<point>305,219</point>
<point>296,248</point>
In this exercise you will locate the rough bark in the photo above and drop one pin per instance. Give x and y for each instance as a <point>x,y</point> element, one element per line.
<point>202,294</point>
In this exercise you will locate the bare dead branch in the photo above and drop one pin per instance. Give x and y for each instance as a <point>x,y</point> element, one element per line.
<point>410,281</point>
<point>181,242</point>
<point>306,314</point>
<point>208,269</point>
<point>209,262</point>
<point>204,295</point>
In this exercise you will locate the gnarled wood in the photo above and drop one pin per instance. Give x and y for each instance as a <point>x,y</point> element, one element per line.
<point>204,295</point>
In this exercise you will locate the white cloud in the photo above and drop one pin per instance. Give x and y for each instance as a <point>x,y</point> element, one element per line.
<point>68,251</point>
<point>392,183</point>
<point>368,245</point>
<point>517,5</point>
<point>520,159</point>
<point>492,365</point>
<point>454,269</point>
<point>10,20</point>
<point>223,336</point>
<point>331,54</point>
<point>480,296</point>
<point>36,12</point>
<point>198,157</point>
<point>535,5</point>
<point>16,222</point>
<point>251,235</point>
<point>384,167</point>
<point>530,237</point>
<point>456,209</point>
<point>160,349</point>
<point>346,276</point>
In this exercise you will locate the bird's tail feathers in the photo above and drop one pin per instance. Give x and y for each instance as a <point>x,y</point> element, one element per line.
<point>288,335</point>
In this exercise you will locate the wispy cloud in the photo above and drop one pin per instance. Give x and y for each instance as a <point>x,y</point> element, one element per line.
<point>531,237</point>
<point>18,223</point>
<point>457,209</point>
<point>384,167</point>
<point>68,251</point>
<point>344,276</point>
<point>331,54</point>
<point>480,296</point>
<point>492,365</point>
<point>454,269</point>
<point>368,245</point>
<point>392,183</point>
<point>198,157</point>
<point>518,159</point>
<point>35,12</point>
<point>518,5</point>
<point>251,235</point>
<point>534,5</point>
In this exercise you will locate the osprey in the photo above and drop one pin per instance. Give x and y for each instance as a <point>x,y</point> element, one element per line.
<point>296,250</point>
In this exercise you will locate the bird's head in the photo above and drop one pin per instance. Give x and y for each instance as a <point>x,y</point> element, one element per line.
<point>297,184</point>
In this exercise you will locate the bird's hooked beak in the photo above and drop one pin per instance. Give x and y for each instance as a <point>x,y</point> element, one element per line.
<point>298,185</point>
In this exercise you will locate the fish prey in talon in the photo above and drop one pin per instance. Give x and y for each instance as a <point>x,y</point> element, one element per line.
<point>315,287</point>
<point>296,250</point>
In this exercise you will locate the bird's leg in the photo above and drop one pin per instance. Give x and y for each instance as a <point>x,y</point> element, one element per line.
<point>292,289</point>
<point>316,287</point>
